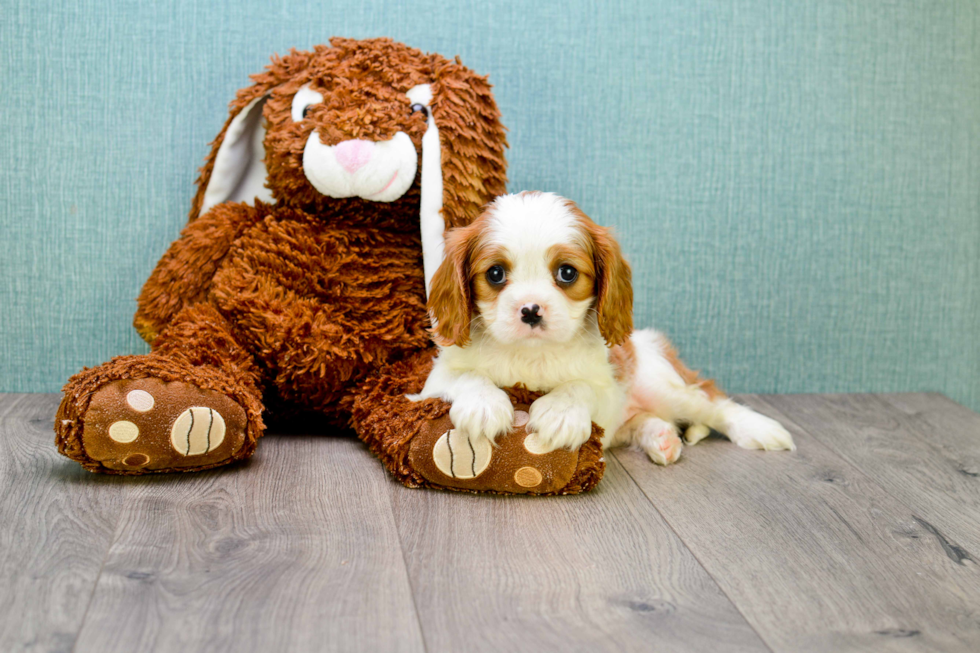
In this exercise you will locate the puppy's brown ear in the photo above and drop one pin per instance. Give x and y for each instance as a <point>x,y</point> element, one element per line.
<point>614,284</point>
<point>450,298</point>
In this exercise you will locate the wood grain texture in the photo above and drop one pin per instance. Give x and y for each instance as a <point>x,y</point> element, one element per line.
<point>600,571</point>
<point>296,550</point>
<point>817,556</point>
<point>923,449</point>
<point>861,540</point>
<point>56,524</point>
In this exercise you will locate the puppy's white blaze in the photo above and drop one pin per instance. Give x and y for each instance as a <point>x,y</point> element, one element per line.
<point>385,178</point>
<point>529,224</point>
<point>431,221</point>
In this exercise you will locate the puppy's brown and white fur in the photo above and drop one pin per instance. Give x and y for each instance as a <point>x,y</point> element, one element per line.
<point>534,292</point>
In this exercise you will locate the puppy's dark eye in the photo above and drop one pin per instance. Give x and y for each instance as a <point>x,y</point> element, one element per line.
<point>306,111</point>
<point>567,274</point>
<point>496,275</point>
<point>422,108</point>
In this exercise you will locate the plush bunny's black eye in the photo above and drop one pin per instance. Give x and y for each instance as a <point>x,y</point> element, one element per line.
<point>567,274</point>
<point>422,108</point>
<point>496,275</point>
<point>304,100</point>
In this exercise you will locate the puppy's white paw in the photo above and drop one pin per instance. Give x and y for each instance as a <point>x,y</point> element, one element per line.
<point>558,422</point>
<point>487,413</point>
<point>750,430</point>
<point>660,440</point>
<point>695,433</point>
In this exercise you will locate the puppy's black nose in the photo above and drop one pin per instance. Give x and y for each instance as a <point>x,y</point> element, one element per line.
<point>530,315</point>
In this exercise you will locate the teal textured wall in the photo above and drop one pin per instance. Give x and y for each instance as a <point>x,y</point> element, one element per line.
<point>796,182</point>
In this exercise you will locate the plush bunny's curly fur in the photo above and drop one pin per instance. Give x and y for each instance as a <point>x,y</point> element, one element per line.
<point>300,278</point>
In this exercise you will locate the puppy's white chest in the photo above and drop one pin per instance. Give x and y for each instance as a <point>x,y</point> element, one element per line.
<point>539,369</point>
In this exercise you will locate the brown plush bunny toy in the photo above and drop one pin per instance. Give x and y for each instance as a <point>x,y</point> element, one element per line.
<point>301,277</point>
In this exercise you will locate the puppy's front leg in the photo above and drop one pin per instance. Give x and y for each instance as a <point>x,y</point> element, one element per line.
<point>479,408</point>
<point>562,419</point>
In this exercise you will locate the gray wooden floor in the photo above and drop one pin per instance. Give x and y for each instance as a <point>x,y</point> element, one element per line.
<point>866,538</point>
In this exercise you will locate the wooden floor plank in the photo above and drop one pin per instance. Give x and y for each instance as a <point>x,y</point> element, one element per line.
<point>816,555</point>
<point>923,449</point>
<point>296,550</point>
<point>600,571</point>
<point>56,524</point>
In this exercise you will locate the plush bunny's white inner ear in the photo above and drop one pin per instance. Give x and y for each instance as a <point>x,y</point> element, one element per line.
<point>430,212</point>
<point>239,173</point>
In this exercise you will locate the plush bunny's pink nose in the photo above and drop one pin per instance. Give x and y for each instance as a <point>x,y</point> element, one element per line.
<point>354,154</point>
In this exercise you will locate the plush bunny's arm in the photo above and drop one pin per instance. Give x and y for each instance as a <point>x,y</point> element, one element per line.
<point>183,275</point>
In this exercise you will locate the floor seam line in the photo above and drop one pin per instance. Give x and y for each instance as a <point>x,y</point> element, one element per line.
<point>98,577</point>
<point>694,555</point>
<point>401,547</point>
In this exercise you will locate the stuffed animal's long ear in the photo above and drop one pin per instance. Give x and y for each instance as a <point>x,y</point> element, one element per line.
<point>614,285</point>
<point>450,298</point>
<point>469,168</point>
<point>234,170</point>
<point>238,172</point>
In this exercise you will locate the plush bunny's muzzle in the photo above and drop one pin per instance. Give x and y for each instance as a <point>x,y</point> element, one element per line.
<point>347,154</point>
<point>379,172</point>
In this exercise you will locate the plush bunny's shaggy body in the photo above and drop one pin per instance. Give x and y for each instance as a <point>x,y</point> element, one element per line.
<point>301,276</point>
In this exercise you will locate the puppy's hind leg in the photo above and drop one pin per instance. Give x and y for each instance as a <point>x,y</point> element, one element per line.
<point>740,424</point>
<point>660,440</point>
<point>672,391</point>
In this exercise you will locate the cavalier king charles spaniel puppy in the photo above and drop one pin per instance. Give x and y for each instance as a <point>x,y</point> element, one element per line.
<point>534,292</point>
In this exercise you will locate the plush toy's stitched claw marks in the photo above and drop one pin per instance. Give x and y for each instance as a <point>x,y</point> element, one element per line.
<point>140,425</point>
<point>458,457</point>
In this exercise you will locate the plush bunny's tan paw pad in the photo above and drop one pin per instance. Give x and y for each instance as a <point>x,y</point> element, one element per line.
<point>459,457</point>
<point>151,425</point>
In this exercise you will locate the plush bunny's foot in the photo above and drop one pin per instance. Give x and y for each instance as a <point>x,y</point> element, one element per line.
<point>146,414</point>
<point>146,425</point>
<point>515,464</point>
